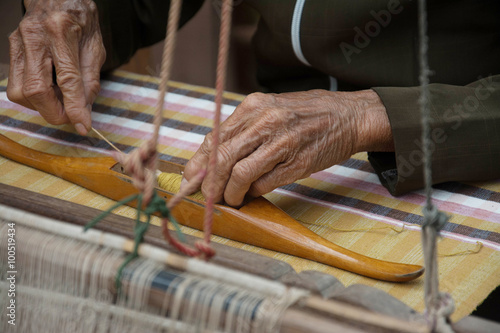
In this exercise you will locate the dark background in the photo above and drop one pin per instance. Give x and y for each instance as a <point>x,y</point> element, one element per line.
<point>196,47</point>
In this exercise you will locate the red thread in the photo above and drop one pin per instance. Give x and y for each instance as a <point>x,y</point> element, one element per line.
<point>202,248</point>
<point>220,83</point>
<point>143,160</point>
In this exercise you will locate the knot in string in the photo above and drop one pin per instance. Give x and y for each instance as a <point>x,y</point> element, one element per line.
<point>157,205</point>
<point>202,248</point>
<point>205,250</point>
<point>139,165</point>
<point>434,218</point>
<point>439,313</point>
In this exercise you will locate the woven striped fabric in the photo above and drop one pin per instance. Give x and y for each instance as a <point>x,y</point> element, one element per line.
<point>345,204</point>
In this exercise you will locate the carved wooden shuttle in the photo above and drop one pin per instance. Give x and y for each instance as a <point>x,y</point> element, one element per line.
<point>258,222</point>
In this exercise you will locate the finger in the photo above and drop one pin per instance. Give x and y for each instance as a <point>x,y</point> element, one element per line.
<point>65,50</point>
<point>245,115</point>
<point>199,160</point>
<point>16,71</point>
<point>282,174</point>
<point>92,58</point>
<point>239,121</point>
<point>246,171</point>
<point>228,154</point>
<point>38,85</point>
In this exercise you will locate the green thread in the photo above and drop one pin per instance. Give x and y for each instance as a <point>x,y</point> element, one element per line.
<point>156,205</point>
<point>99,217</point>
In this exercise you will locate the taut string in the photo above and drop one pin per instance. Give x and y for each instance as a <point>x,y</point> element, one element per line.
<point>220,83</point>
<point>439,306</point>
<point>141,164</point>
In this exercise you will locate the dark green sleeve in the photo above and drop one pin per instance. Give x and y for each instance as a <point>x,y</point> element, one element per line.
<point>465,135</point>
<point>128,25</point>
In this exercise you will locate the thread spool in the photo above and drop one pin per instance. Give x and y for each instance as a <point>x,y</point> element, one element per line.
<point>171,182</point>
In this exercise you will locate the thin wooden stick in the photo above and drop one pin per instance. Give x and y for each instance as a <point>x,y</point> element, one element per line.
<point>107,141</point>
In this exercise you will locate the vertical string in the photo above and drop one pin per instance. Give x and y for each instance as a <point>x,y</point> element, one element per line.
<point>220,83</point>
<point>424,100</point>
<point>439,306</point>
<point>142,162</point>
<point>166,66</point>
<point>202,248</point>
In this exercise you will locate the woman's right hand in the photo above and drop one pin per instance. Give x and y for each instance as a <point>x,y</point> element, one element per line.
<point>57,39</point>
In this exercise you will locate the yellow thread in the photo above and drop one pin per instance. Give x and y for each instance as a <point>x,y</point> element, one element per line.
<point>370,229</point>
<point>108,142</point>
<point>479,246</point>
<point>171,182</point>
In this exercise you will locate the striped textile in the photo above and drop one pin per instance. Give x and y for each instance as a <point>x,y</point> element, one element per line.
<point>345,197</point>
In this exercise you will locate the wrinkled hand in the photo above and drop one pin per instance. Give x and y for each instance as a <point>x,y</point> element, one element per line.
<point>58,38</point>
<point>274,139</point>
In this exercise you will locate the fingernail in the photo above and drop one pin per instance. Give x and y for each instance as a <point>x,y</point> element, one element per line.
<point>81,129</point>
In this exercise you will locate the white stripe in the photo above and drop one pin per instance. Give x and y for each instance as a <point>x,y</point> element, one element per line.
<point>170,98</point>
<point>147,128</point>
<point>295,34</point>
<point>383,219</point>
<point>444,196</point>
<point>56,141</point>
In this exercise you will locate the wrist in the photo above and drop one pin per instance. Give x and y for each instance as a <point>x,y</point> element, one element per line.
<point>373,129</point>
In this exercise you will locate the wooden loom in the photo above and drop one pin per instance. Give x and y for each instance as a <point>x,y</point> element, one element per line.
<point>322,303</point>
<point>257,265</point>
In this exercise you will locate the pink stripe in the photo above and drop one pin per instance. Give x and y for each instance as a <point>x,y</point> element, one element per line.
<point>413,198</point>
<point>383,219</point>
<point>6,104</point>
<point>127,97</point>
<point>110,127</point>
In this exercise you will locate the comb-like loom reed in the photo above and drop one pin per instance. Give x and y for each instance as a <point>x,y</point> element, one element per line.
<point>75,280</point>
<point>68,285</point>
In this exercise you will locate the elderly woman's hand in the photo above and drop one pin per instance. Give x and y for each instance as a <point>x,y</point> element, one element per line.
<point>57,39</point>
<point>274,139</point>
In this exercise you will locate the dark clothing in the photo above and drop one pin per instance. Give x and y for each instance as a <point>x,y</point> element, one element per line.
<point>369,44</point>
<point>128,25</point>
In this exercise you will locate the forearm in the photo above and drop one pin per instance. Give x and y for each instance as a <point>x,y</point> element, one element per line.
<point>374,129</point>
<point>464,134</point>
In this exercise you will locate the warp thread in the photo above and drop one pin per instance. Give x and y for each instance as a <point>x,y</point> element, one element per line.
<point>65,276</point>
<point>439,306</point>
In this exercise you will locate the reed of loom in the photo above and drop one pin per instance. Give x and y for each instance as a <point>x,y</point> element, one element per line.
<point>154,297</point>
